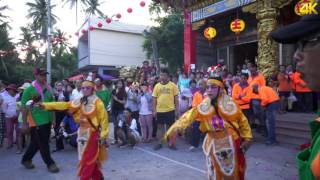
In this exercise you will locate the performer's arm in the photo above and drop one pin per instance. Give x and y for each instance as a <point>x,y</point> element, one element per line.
<point>244,128</point>
<point>56,106</point>
<point>182,123</point>
<point>103,120</point>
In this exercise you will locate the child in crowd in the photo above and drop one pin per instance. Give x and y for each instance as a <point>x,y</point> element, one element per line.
<point>128,130</point>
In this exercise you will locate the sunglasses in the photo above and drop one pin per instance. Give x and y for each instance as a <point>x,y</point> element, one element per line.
<point>212,87</point>
<point>86,88</point>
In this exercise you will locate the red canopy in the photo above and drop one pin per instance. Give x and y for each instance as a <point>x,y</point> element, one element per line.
<point>76,77</point>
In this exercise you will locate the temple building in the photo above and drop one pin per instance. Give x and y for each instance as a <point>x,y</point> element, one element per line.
<point>253,43</point>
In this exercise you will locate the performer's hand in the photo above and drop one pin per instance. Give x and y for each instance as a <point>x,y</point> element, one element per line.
<point>245,146</point>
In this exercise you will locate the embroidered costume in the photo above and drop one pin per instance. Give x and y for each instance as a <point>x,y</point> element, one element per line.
<point>93,120</point>
<point>308,160</point>
<point>226,127</point>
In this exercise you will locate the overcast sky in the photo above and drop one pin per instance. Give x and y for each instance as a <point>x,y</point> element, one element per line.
<point>67,23</point>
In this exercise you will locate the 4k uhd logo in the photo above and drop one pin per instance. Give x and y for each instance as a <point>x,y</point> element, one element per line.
<point>305,7</point>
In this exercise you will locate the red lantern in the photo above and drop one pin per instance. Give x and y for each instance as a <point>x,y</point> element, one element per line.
<point>142,3</point>
<point>84,31</point>
<point>77,33</point>
<point>99,24</point>
<point>129,10</point>
<point>118,15</point>
<point>108,20</point>
<point>91,28</point>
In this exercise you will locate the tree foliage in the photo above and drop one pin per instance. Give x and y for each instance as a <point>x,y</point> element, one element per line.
<point>169,38</point>
<point>38,12</point>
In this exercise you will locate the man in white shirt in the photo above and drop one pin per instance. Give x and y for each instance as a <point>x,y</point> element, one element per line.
<point>76,93</point>
<point>11,115</point>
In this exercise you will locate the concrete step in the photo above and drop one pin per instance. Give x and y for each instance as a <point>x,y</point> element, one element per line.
<point>293,133</point>
<point>297,117</point>
<point>293,141</point>
<point>293,126</point>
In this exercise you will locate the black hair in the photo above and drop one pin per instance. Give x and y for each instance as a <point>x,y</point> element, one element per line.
<point>254,66</point>
<point>245,74</point>
<point>164,70</point>
<point>192,81</point>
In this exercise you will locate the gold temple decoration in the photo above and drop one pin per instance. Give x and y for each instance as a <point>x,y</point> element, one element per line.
<point>266,13</point>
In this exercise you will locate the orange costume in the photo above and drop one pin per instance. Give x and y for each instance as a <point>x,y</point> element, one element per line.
<point>226,127</point>
<point>94,127</point>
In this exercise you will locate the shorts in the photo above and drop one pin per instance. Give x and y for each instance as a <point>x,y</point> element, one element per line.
<point>284,94</point>
<point>167,118</point>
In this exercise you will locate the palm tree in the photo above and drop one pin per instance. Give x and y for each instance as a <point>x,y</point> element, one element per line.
<point>93,8</point>
<point>60,44</point>
<point>75,3</point>
<point>3,17</point>
<point>38,12</point>
<point>27,40</point>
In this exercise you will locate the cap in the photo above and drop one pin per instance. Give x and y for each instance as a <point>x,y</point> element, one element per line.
<point>12,87</point>
<point>25,86</point>
<point>39,71</point>
<point>307,25</point>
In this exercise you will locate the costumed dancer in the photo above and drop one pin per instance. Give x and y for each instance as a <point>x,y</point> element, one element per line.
<point>228,132</point>
<point>90,113</point>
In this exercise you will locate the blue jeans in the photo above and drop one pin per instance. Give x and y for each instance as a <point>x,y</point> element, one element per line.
<point>258,112</point>
<point>271,111</point>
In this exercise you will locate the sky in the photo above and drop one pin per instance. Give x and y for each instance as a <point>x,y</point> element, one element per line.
<point>67,23</point>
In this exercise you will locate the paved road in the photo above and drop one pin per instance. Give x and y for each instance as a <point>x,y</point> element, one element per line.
<point>142,163</point>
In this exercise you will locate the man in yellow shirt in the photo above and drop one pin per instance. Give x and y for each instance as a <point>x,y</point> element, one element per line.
<point>165,106</point>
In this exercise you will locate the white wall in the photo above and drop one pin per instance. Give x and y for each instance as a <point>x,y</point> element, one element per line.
<point>83,52</point>
<point>110,48</point>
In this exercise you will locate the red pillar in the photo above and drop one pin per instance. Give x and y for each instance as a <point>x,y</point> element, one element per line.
<point>189,42</point>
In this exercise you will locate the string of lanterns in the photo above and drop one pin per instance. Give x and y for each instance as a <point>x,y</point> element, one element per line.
<point>60,40</point>
<point>109,20</point>
<point>236,26</point>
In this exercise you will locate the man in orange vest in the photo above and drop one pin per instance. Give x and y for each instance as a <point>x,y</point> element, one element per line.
<point>284,86</point>
<point>258,79</point>
<point>270,102</point>
<point>303,93</point>
<point>241,94</point>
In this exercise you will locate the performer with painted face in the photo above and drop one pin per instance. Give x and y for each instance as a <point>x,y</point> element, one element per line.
<point>228,132</point>
<point>90,113</point>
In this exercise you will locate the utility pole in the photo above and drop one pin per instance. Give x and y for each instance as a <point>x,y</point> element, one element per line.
<point>154,47</point>
<point>49,42</point>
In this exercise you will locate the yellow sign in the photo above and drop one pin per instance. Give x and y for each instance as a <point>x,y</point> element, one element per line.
<point>305,7</point>
<point>237,25</point>
<point>209,33</point>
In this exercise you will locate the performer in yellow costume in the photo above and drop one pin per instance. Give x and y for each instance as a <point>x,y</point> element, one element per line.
<point>228,132</point>
<point>90,113</point>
